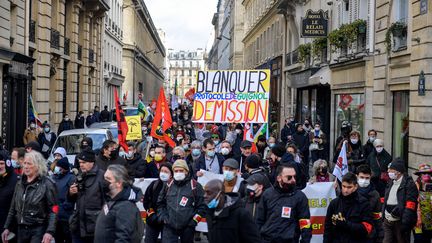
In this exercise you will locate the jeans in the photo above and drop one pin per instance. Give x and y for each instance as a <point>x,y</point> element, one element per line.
<point>170,235</point>
<point>393,232</point>
<point>30,234</point>
<point>152,233</point>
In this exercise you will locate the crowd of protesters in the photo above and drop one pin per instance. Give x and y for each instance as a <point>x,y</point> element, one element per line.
<point>260,199</point>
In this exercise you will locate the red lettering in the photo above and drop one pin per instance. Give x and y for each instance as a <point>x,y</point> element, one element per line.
<point>209,110</point>
<point>239,110</point>
<point>231,110</point>
<point>264,111</point>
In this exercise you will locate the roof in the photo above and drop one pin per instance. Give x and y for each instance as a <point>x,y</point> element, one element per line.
<point>84,131</point>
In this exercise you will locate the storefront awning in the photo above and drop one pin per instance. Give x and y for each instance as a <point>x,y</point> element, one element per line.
<point>323,76</point>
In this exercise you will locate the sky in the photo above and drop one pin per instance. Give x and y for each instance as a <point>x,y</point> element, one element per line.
<point>187,23</point>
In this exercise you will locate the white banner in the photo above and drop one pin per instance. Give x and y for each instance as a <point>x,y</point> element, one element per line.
<point>319,195</point>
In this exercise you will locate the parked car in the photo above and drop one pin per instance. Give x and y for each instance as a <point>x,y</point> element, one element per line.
<point>70,140</point>
<point>112,126</point>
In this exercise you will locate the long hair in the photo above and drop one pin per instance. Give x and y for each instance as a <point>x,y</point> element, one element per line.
<point>39,161</point>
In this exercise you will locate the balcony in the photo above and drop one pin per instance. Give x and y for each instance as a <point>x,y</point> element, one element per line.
<point>79,52</point>
<point>66,46</point>
<point>32,34</point>
<point>55,39</point>
<point>91,56</point>
<point>292,58</point>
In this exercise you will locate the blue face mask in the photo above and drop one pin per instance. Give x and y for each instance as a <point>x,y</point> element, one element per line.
<point>47,129</point>
<point>228,175</point>
<point>57,170</point>
<point>214,202</point>
<point>15,164</point>
<point>196,152</point>
<point>210,153</point>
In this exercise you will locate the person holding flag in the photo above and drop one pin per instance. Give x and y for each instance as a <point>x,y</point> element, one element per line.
<point>162,121</point>
<point>341,166</point>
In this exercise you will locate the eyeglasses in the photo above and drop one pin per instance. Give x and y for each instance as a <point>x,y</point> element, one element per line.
<point>290,177</point>
<point>215,137</point>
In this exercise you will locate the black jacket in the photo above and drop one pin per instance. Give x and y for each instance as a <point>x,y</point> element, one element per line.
<point>285,132</point>
<point>89,202</point>
<point>407,196</point>
<point>378,162</point>
<point>179,202</point>
<point>200,164</point>
<point>357,226</point>
<point>375,204</point>
<point>139,168</point>
<point>63,183</point>
<point>7,188</point>
<point>104,116</point>
<point>119,221</point>
<point>150,202</point>
<point>79,121</point>
<point>356,156</point>
<point>103,162</point>
<point>64,126</point>
<point>233,224</point>
<point>42,140</point>
<point>368,148</point>
<point>279,215</point>
<point>39,207</point>
<point>251,205</point>
<point>302,142</point>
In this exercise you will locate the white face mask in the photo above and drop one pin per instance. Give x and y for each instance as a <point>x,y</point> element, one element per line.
<point>179,176</point>
<point>238,131</point>
<point>130,154</point>
<point>225,151</point>
<point>372,139</point>
<point>363,182</point>
<point>354,140</point>
<point>392,175</point>
<point>379,149</point>
<point>164,176</point>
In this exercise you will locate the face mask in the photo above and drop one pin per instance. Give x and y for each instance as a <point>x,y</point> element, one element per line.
<point>392,175</point>
<point>372,139</point>
<point>228,175</point>
<point>179,138</point>
<point>225,151</point>
<point>379,149</point>
<point>216,142</point>
<point>57,170</point>
<point>185,117</point>
<point>317,129</point>
<point>271,145</point>
<point>144,128</point>
<point>130,154</point>
<point>122,154</point>
<point>152,154</point>
<point>354,140</point>
<point>210,154</point>
<point>214,202</point>
<point>426,178</point>
<point>196,152</point>
<point>15,164</point>
<point>32,125</point>
<point>66,118</point>
<point>158,157</point>
<point>164,176</point>
<point>363,182</point>
<point>186,147</point>
<point>114,153</point>
<point>251,190</point>
<point>324,171</point>
<point>106,186</point>
<point>47,129</point>
<point>179,176</point>
<point>176,157</point>
<point>238,131</point>
<point>306,124</point>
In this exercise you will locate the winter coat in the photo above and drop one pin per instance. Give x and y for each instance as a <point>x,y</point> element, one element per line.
<point>119,221</point>
<point>97,115</point>
<point>201,164</point>
<point>30,135</point>
<point>321,136</point>
<point>64,126</point>
<point>89,203</point>
<point>280,214</point>
<point>90,120</point>
<point>285,132</point>
<point>375,204</point>
<point>357,225</point>
<point>7,188</point>
<point>302,142</point>
<point>39,206</point>
<point>383,158</point>
<point>104,116</point>
<point>233,224</point>
<point>139,168</point>
<point>180,202</point>
<point>302,173</point>
<point>251,205</point>
<point>63,183</point>
<point>103,162</point>
<point>42,140</point>
<point>79,122</point>
<point>355,156</point>
<point>150,202</point>
<point>368,148</point>
<point>407,195</point>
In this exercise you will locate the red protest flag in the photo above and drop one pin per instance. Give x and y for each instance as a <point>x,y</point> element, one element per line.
<point>190,94</point>
<point>121,122</point>
<point>162,120</point>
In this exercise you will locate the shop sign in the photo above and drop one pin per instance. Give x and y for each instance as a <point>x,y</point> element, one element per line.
<point>421,84</point>
<point>18,68</point>
<point>315,24</point>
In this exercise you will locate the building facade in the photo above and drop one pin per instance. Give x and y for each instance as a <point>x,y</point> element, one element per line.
<point>143,54</point>
<point>15,70</point>
<point>183,69</point>
<point>65,39</point>
<point>112,78</point>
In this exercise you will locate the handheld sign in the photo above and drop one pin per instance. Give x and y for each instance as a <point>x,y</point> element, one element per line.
<point>240,96</point>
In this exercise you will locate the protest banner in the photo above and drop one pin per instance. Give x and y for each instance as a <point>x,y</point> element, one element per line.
<point>208,176</point>
<point>319,196</point>
<point>134,127</point>
<point>240,96</point>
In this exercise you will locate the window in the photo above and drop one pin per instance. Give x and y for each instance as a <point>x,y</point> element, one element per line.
<point>349,107</point>
<point>190,72</point>
<point>400,124</point>
<point>401,10</point>
<point>190,81</point>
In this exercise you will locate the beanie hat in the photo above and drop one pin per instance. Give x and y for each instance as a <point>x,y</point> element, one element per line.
<point>87,155</point>
<point>60,151</point>
<point>253,161</point>
<point>378,142</point>
<point>398,164</point>
<point>180,163</point>
<point>278,150</point>
<point>167,165</point>
<point>232,163</point>
<point>63,163</point>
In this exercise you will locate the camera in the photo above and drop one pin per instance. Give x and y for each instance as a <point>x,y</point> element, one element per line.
<point>80,182</point>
